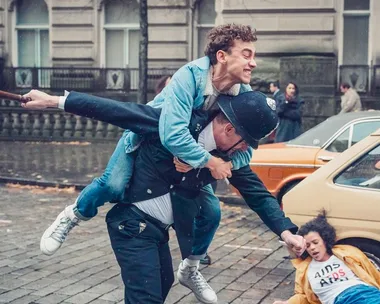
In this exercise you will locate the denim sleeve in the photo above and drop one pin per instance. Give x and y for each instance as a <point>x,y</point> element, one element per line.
<point>241,158</point>
<point>175,118</point>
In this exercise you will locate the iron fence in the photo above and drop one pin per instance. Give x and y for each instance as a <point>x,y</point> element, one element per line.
<point>83,79</point>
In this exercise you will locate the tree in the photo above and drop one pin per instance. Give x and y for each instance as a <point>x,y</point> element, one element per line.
<point>143,58</point>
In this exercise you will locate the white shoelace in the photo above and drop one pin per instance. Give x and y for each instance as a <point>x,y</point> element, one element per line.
<point>199,280</point>
<point>60,233</point>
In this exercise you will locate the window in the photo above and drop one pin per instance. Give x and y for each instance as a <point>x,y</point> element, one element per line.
<point>205,22</point>
<point>122,42</point>
<point>122,30</point>
<point>353,5</point>
<point>355,52</point>
<point>363,173</point>
<point>359,130</point>
<point>32,27</point>
<point>341,143</point>
<point>363,129</point>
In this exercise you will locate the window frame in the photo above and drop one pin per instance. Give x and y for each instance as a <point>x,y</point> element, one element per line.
<point>125,27</point>
<point>371,27</point>
<point>198,26</point>
<point>349,126</point>
<point>37,28</point>
<point>352,162</point>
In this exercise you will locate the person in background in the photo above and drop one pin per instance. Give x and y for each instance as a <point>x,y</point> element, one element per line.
<point>289,111</point>
<point>162,83</point>
<point>274,88</point>
<point>332,274</point>
<point>350,100</point>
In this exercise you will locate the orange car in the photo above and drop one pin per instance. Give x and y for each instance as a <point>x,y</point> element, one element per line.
<point>283,165</point>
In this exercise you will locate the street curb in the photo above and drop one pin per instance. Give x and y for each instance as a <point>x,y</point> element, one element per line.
<point>28,182</point>
<point>225,198</point>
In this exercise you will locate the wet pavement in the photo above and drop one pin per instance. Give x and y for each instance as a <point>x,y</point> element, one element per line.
<point>66,163</point>
<point>248,264</point>
<point>247,260</point>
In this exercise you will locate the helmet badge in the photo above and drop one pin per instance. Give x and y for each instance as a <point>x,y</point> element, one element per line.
<point>271,103</point>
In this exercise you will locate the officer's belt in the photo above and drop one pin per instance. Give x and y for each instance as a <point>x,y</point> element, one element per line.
<point>150,218</point>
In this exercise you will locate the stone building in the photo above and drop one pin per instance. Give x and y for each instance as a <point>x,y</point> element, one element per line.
<point>93,44</point>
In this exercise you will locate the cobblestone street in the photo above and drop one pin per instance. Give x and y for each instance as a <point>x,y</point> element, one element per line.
<point>248,264</point>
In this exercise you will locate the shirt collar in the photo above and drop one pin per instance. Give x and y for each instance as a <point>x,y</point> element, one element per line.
<point>206,138</point>
<point>209,90</point>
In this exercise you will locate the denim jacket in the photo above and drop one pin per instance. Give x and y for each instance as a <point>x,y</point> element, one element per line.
<point>184,93</point>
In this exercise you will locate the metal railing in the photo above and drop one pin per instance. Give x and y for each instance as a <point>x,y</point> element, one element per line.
<point>83,79</point>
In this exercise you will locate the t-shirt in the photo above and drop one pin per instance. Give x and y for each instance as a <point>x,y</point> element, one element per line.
<point>328,279</point>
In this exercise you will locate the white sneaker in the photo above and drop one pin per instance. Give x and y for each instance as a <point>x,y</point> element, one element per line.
<point>56,234</point>
<point>190,277</point>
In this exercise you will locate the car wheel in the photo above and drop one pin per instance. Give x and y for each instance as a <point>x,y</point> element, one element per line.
<point>370,248</point>
<point>286,189</point>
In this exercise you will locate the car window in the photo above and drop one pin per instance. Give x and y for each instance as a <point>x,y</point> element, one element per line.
<point>363,129</point>
<point>340,144</point>
<point>365,172</point>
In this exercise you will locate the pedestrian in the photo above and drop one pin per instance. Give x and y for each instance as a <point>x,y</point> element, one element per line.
<point>350,100</point>
<point>138,227</point>
<point>330,273</point>
<point>289,111</point>
<point>226,69</point>
<point>161,83</point>
<point>274,88</point>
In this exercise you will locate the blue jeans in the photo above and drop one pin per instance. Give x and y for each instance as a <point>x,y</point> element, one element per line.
<point>206,222</point>
<point>141,248</point>
<point>110,186</point>
<point>359,294</point>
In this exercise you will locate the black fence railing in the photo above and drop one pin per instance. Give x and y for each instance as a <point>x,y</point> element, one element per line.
<point>83,79</point>
<point>364,79</point>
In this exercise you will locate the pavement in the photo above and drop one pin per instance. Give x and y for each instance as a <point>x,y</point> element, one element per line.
<point>248,264</point>
<point>65,164</point>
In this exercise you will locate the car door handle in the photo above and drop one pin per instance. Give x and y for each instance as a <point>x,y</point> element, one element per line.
<point>325,158</point>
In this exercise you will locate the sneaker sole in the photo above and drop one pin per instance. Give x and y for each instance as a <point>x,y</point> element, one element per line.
<point>195,294</point>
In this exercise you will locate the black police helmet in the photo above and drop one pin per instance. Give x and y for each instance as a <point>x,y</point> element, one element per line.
<point>252,114</point>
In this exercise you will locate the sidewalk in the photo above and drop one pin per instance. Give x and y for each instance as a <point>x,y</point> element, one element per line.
<point>247,260</point>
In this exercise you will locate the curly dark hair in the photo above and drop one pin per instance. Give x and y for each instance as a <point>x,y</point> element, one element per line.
<point>321,226</point>
<point>222,37</point>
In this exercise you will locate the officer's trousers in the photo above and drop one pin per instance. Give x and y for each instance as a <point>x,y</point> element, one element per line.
<point>140,244</point>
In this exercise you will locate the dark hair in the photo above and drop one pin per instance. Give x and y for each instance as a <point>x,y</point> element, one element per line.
<point>160,84</point>
<point>275,83</point>
<point>345,85</point>
<point>221,117</point>
<point>295,86</point>
<point>222,37</point>
<point>323,228</point>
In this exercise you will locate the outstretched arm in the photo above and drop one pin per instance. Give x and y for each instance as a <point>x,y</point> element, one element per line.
<point>267,207</point>
<point>140,119</point>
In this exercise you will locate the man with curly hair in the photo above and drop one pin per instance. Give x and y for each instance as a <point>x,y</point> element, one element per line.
<point>226,69</point>
<point>330,273</point>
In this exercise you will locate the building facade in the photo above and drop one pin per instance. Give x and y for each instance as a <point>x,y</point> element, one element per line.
<point>49,43</point>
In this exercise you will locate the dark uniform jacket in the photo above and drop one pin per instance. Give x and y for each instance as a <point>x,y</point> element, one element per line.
<point>155,175</point>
